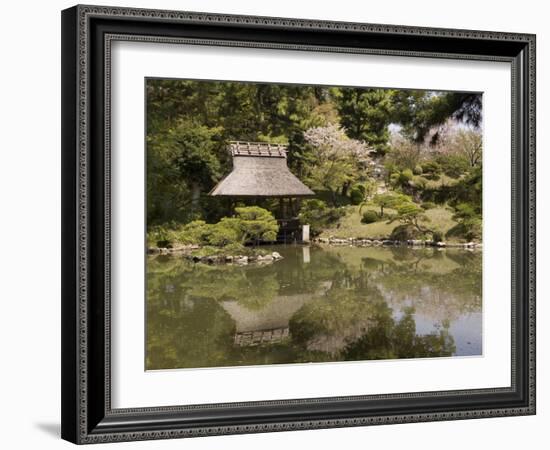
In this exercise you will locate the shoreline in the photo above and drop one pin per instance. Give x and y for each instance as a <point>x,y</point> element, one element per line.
<point>186,251</point>
<point>366,242</point>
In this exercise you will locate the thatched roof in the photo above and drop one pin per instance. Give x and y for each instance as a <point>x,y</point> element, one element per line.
<point>260,170</point>
<point>275,315</point>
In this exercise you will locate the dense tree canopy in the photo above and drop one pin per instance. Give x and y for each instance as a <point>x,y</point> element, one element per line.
<point>336,136</point>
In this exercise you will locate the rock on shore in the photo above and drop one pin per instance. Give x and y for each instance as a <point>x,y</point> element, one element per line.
<point>187,252</point>
<point>360,242</point>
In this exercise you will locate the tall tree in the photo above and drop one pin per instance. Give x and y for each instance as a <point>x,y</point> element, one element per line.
<point>366,115</point>
<point>182,163</point>
<point>418,111</point>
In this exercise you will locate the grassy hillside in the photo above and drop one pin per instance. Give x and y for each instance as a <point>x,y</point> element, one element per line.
<point>350,225</point>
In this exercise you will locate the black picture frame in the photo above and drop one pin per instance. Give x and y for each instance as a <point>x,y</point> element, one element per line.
<point>87,416</point>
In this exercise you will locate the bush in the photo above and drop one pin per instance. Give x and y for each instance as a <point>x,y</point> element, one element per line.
<point>369,217</point>
<point>464,211</point>
<point>389,200</point>
<point>195,232</point>
<point>357,194</point>
<point>428,205</point>
<point>470,229</point>
<point>404,232</point>
<point>226,231</point>
<point>453,165</point>
<point>417,169</point>
<point>250,224</point>
<point>401,178</point>
<point>255,224</point>
<point>159,236</point>
<point>419,182</point>
<point>431,170</point>
<point>406,176</point>
<point>319,216</point>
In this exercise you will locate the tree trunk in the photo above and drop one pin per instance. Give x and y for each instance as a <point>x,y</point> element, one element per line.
<point>345,188</point>
<point>333,194</point>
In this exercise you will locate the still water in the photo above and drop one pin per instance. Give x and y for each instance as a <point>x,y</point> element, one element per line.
<point>315,305</point>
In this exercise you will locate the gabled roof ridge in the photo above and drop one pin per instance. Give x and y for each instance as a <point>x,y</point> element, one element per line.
<point>265,149</point>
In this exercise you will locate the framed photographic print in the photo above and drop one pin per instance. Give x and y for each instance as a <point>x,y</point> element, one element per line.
<point>279,224</point>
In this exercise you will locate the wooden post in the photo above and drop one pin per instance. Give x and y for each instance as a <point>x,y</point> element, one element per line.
<point>305,233</point>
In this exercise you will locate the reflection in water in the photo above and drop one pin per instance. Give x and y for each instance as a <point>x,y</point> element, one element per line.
<point>315,305</point>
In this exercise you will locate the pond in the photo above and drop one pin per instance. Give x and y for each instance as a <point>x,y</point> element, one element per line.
<point>315,305</point>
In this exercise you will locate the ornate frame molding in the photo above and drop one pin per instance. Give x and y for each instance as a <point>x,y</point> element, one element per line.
<point>80,418</point>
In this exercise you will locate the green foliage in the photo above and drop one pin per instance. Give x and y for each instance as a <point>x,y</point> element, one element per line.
<point>389,200</point>
<point>464,211</point>
<point>402,179</point>
<point>366,114</point>
<point>453,165</point>
<point>431,170</point>
<point>469,229</point>
<point>412,214</point>
<point>182,164</point>
<point>418,112</point>
<point>337,159</point>
<point>469,190</point>
<point>195,232</point>
<point>404,232</point>
<point>330,132</point>
<point>469,224</point>
<point>227,231</point>
<point>251,224</point>
<point>369,216</point>
<point>363,192</point>
<point>160,236</point>
<point>319,215</point>
<point>419,183</point>
<point>255,224</point>
<point>428,205</point>
<point>408,210</point>
<point>405,176</point>
<point>357,194</point>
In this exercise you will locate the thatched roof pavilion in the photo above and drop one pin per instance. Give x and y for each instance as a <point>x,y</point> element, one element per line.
<point>260,170</point>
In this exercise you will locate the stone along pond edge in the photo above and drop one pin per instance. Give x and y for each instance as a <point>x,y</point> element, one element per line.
<point>186,251</point>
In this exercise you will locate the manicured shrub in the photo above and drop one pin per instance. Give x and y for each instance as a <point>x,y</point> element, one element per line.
<point>195,232</point>
<point>255,224</point>
<point>226,231</point>
<point>369,216</point>
<point>389,200</point>
<point>357,195</point>
<point>431,170</point>
<point>404,232</point>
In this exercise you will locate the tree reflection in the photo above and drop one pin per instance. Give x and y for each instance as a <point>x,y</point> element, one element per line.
<point>345,304</point>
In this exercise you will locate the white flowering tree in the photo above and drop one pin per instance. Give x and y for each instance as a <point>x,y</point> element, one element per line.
<point>338,158</point>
